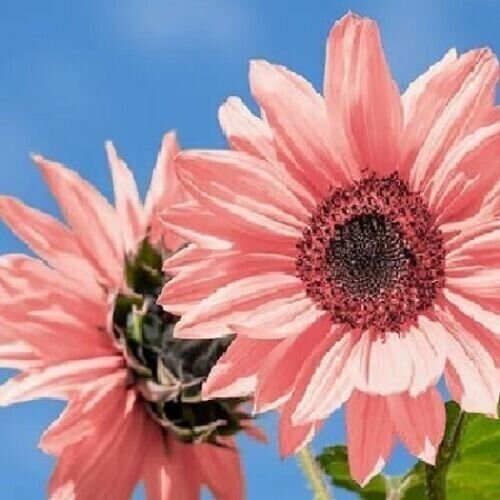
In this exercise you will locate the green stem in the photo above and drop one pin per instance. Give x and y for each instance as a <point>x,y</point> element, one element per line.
<point>313,474</point>
<point>435,483</point>
<point>435,476</point>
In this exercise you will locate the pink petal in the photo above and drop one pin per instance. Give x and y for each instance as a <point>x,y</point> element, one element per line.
<point>473,307</point>
<point>330,384</point>
<point>460,93</point>
<point>491,201</point>
<point>244,131</point>
<point>68,429</point>
<point>453,383</point>
<point>411,361</point>
<point>361,96</point>
<point>48,238</point>
<point>157,477</point>
<point>413,97</point>
<point>56,380</point>
<point>474,366</point>
<point>220,470</point>
<point>473,271</point>
<point>190,255</point>
<point>419,421</point>
<point>492,115</point>
<point>255,432</point>
<point>213,177</point>
<point>251,298</point>
<point>297,116</point>
<point>128,205</point>
<point>470,239</point>
<point>235,372</point>
<point>370,436</point>
<point>52,325</point>
<point>17,354</point>
<point>64,492</point>
<point>474,248</point>
<point>468,158</point>
<point>474,320</point>
<point>199,225</point>
<point>20,274</point>
<point>166,466</point>
<point>280,368</point>
<point>164,191</point>
<point>425,99</point>
<point>281,318</point>
<point>76,422</point>
<point>106,464</point>
<point>294,435</point>
<point>252,135</point>
<point>92,218</point>
<point>203,227</point>
<point>203,278</point>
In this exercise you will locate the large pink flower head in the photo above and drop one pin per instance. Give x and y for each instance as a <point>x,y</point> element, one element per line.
<point>82,324</point>
<point>351,242</point>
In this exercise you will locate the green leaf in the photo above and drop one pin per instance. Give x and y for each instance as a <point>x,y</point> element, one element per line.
<point>468,464</point>
<point>333,461</point>
<point>470,460</point>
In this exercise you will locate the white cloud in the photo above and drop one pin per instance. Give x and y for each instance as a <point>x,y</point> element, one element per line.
<point>157,24</point>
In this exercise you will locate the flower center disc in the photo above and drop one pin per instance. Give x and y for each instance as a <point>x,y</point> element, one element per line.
<point>168,373</point>
<point>372,255</point>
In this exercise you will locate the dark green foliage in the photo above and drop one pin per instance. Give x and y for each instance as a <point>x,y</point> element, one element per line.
<point>467,466</point>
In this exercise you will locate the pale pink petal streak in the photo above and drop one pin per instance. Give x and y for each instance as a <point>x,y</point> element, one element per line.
<point>220,469</point>
<point>297,116</point>
<point>463,90</point>
<point>92,218</point>
<point>280,368</point>
<point>370,436</point>
<point>330,383</point>
<point>361,97</point>
<point>474,368</point>
<point>243,300</point>
<point>238,183</point>
<point>57,380</point>
<point>235,373</point>
<point>52,241</point>
<point>127,202</point>
<point>245,131</point>
<point>108,462</point>
<point>164,191</point>
<point>198,281</point>
<point>419,421</point>
<point>412,361</point>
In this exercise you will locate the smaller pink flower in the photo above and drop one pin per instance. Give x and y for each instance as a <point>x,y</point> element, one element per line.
<point>351,240</point>
<point>82,325</point>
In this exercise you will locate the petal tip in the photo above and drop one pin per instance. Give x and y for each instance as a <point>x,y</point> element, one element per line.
<point>364,480</point>
<point>429,453</point>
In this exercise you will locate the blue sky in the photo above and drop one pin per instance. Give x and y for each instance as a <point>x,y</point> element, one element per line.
<point>73,74</point>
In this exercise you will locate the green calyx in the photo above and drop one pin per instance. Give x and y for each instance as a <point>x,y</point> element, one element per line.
<point>169,372</point>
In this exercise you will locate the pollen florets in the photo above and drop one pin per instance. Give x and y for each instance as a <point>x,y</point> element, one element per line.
<point>372,255</point>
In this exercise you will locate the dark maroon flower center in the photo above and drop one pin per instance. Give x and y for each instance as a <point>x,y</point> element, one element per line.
<point>372,255</point>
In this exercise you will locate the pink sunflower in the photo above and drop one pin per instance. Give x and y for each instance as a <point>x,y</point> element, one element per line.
<point>82,324</point>
<point>351,242</point>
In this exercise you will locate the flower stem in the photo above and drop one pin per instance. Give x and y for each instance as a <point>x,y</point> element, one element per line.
<point>435,476</point>
<point>313,474</point>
